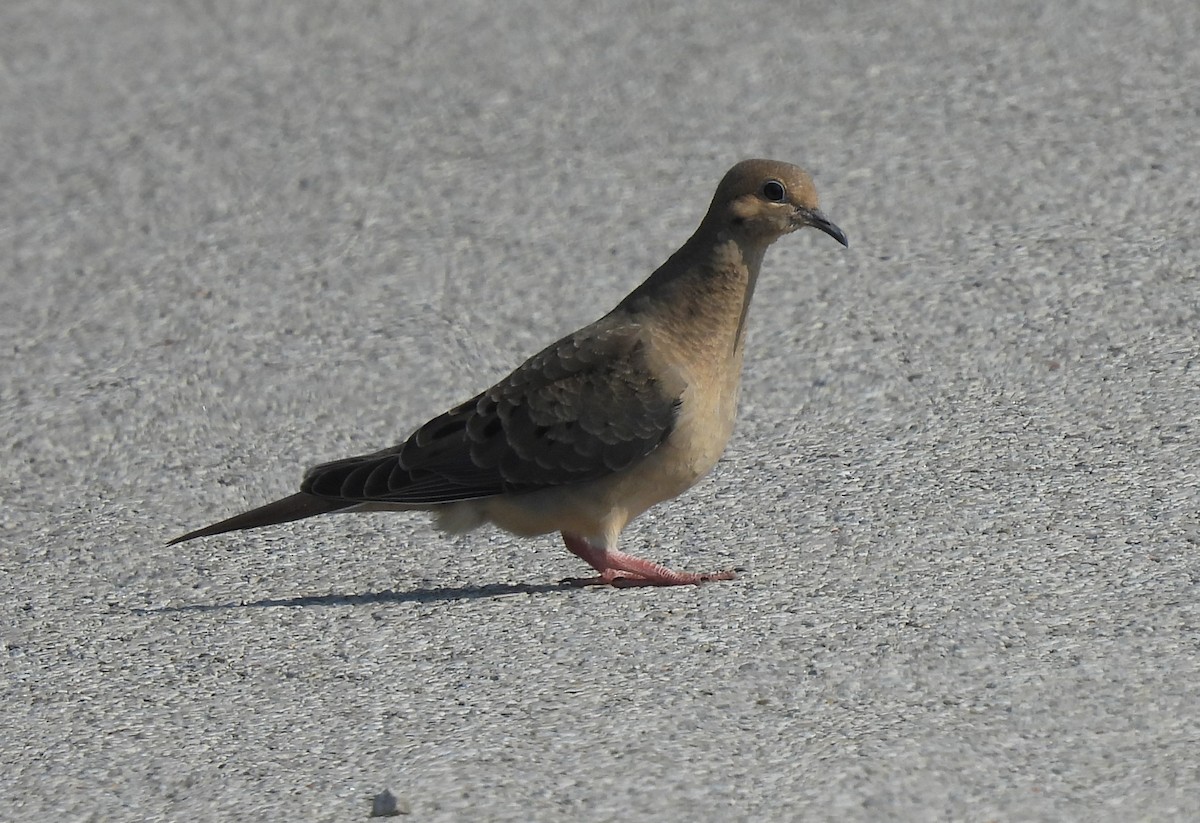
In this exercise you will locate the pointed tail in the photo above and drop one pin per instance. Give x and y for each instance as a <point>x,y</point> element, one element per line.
<point>296,507</point>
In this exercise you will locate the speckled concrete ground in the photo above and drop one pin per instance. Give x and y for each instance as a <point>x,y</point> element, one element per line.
<point>237,239</point>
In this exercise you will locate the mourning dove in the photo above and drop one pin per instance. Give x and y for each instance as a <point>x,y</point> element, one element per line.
<point>583,437</point>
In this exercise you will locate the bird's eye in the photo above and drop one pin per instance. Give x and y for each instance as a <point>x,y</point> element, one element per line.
<point>774,191</point>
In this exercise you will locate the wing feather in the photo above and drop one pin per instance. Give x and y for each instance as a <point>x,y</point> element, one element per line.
<point>584,407</point>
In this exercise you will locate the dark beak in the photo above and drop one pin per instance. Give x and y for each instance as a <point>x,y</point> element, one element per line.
<point>816,219</point>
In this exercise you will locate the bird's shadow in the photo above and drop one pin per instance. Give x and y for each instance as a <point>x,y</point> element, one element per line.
<point>435,595</point>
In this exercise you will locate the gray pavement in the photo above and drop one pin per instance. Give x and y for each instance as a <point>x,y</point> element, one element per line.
<point>237,239</point>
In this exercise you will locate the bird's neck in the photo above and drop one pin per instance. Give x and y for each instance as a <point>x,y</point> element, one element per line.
<point>704,290</point>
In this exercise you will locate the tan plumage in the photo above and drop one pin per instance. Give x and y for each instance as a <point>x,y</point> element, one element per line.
<point>625,413</point>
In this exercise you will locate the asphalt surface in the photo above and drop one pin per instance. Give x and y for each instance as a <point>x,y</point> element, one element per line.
<point>237,239</point>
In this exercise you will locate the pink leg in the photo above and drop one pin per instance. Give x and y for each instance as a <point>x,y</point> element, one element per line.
<point>620,569</point>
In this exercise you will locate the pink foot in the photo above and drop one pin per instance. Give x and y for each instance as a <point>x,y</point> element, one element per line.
<point>626,571</point>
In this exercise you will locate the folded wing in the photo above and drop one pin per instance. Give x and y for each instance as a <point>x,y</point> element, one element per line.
<point>587,406</point>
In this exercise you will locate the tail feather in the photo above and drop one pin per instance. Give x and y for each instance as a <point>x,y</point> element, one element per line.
<point>296,507</point>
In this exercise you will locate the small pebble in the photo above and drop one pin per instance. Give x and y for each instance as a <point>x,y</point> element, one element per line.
<point>387,804</point>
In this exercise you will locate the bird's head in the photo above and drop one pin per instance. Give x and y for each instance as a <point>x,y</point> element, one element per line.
<point>766,199</point>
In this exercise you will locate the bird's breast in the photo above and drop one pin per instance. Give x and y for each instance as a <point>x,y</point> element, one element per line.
<point>705,420</point>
